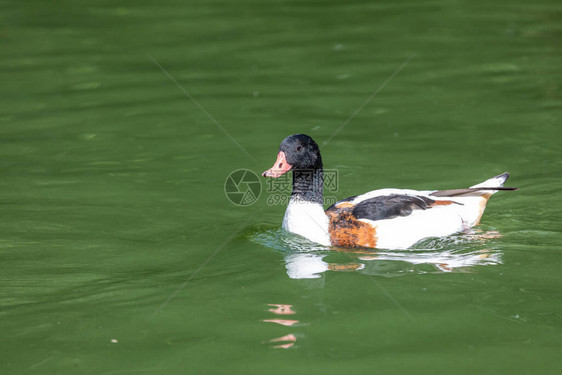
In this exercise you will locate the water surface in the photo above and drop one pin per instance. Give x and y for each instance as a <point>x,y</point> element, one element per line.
<point>121,253</point>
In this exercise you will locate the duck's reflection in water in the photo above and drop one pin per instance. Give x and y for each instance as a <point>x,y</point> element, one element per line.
<point>281,309</point>
<point>441,255</point>
<point>306,260</point>
<point>283,322</point>
<point>310,266</point>
<point>289,341</point>
<point>286,341</point>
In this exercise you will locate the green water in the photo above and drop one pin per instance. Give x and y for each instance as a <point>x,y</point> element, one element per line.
<point>121,253</point>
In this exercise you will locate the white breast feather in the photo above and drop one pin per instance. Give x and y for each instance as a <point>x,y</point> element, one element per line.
<point>308,220</point>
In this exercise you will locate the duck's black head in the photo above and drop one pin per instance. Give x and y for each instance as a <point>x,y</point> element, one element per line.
<point>297,151</point>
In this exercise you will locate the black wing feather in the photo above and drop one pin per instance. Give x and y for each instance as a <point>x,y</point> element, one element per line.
<point>390,206</point>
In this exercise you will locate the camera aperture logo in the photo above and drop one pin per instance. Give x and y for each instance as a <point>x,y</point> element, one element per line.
<point>242,187</point>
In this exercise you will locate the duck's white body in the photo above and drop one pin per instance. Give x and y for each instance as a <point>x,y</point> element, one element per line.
<point>310,221</point>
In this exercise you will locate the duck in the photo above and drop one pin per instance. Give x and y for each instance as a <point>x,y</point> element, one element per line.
<point>388,218</point>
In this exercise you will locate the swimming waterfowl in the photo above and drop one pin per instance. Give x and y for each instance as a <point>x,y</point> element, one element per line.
<point>384,218</point>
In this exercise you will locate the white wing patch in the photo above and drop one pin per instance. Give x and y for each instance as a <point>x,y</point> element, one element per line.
<point>383,192</point>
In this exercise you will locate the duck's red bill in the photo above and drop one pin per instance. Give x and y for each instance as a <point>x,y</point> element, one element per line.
<point>279,168</point>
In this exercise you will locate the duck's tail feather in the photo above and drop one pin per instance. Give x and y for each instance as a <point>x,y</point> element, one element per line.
<point>495,181</point>
<point>489,186</point>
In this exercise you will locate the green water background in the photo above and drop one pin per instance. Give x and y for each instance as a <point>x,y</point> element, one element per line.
<point>120,252</point>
